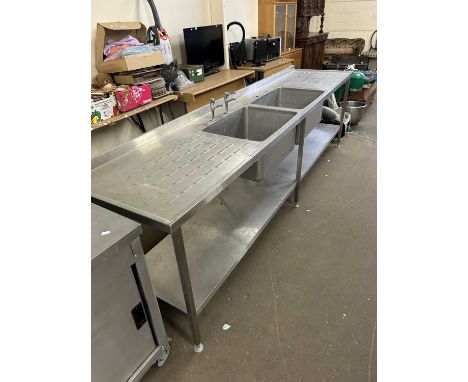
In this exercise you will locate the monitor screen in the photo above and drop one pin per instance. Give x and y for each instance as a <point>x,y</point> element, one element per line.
<point>204,46</point>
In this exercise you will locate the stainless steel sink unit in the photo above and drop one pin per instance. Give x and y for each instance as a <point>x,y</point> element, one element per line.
<point>186,174</point>
<point>293,98</point>
<point>258,124</point>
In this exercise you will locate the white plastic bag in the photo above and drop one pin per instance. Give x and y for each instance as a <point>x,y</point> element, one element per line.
<point>165,45</point>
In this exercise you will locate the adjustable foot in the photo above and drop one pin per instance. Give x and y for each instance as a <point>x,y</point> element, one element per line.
<point>162,360</point>
<point>296,205</point>
<point>198,348</point>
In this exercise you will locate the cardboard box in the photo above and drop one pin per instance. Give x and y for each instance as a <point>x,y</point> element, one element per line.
<point>367,94</point>
<point>117,31</point>
<point>133,97</point>
<point>103,109</point>
<point>137,76</point>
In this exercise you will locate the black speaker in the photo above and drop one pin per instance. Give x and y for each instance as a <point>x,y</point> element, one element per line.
<point>273,48</point>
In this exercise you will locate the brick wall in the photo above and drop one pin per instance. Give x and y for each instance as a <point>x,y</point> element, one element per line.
<point>348,18</point>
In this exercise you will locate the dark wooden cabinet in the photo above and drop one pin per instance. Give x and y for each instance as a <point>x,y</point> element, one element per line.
<point>312,44</point>
<point>313,50</point>
<point>306,9</point>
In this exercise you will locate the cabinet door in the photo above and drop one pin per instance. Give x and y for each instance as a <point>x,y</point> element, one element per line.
<point>280,23</point>
<point>121,338</point>
<point>290,27</point>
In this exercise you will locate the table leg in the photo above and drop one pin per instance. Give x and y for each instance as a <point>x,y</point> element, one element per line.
<point>300,151</point>
<point>345,100</point>
<point>161,114</point>
<point>138,122</point>
<point>181,257</point>
<point>170,109</point>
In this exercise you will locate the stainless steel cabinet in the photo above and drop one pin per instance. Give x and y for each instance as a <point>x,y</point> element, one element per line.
<point>128,334</point>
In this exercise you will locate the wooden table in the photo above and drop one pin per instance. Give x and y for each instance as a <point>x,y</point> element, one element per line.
<point>130,113</point>
<point>270,67</point>
<point>296,55</point>
<point>214,86</point>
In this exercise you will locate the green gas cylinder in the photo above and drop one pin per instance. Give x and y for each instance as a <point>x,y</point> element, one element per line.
<point>357,81</point>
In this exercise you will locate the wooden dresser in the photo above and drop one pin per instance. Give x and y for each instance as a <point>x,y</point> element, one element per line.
<point>313,49</point>
<point>312,44</point>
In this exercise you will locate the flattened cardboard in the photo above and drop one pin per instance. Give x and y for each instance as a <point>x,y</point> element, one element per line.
<point>117,31</point>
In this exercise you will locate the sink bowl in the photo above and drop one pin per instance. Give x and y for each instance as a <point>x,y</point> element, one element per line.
<point>257,124</point>
<point>250,123</point>
<point>290,98</point>
<point>293,98</point>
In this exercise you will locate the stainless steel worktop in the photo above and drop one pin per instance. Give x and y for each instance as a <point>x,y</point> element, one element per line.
<point>163,177</point>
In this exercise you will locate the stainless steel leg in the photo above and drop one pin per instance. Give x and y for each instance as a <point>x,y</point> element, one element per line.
<point>345,100</point>
<point>181,257</point>
<point>153,312</point>
<point>300,151</point>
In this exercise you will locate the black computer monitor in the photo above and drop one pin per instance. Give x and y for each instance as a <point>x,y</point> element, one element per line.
<point>204,46</point>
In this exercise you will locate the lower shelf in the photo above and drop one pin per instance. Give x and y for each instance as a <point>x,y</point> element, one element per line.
<point>218,236</point>
<point>216,239</point>
<point>314,145</point>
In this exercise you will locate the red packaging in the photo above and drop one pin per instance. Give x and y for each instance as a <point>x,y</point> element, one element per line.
<point>135,96</point>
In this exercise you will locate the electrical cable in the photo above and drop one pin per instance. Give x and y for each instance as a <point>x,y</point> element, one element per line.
<point>234,57</point>
<point>152,32</point>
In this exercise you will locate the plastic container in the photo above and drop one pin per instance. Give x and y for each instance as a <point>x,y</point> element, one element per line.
<point>194,73</point>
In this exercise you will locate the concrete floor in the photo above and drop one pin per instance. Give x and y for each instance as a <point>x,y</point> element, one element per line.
<point>302,302</point>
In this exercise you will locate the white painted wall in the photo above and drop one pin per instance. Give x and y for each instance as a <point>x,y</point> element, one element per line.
<point>244,11</point>
<point>349,19</point>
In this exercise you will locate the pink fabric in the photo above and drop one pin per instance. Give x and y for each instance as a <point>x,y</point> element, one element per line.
<point>113,48</point>
<point>116,52</point>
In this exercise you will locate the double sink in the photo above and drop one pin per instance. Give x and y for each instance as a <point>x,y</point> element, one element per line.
<point>258,123</point>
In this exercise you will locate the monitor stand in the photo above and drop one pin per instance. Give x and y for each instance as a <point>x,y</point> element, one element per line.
<point>211,71</point>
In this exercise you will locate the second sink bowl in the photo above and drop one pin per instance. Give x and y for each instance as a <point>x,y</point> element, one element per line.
<point>257,124</point>
<point>293,98</point>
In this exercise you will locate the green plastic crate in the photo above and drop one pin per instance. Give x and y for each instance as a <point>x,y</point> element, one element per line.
<point>194,73</point>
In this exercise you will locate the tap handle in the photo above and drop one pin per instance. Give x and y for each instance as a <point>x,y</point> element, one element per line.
<point>227,94</point>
